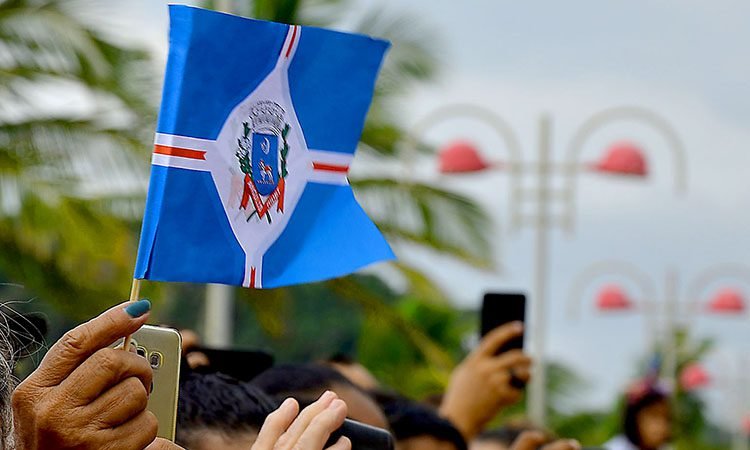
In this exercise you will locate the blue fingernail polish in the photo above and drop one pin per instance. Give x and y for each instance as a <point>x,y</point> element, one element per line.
<point>139,308</point>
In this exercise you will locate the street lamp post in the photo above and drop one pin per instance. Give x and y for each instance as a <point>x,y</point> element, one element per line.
<point>464,158</point>
<point>219,307</point>
<point>724,301</point>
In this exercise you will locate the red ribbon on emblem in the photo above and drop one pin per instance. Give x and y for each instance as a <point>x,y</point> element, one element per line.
<point>261,207</point>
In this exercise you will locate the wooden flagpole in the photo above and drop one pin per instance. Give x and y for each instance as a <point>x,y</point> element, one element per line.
<point>135,290</point>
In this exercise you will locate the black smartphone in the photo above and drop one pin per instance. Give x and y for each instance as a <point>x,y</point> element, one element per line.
<point>362,436</point>
<point>501,308</point>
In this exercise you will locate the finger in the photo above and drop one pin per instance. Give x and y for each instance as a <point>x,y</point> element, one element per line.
<point>502,385</point>
<point>120,403</point>
<point>304,419</point>
<point>134,434</point>
<point>81,342</point>
<point>491,343</point>
<point>326,422</point>
<point>276,424</point>
<point>342,444</point>
<point>513,358</point>
<point>104,369</point>
<point>163,444</point>
<point>563,444</point>
<point>523,374</point>
<point>528,440</point>
<point>197,359</point>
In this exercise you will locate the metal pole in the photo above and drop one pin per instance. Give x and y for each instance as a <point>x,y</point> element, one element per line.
<point>538,387</point>
<point>219,314</point>
<point>671,354</point>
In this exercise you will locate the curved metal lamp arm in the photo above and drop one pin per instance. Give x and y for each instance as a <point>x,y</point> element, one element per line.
<point>462,110</point>
<point>699,284</point>
<point>604,118</point>
<point>603,268</point>
<point>497,123</point>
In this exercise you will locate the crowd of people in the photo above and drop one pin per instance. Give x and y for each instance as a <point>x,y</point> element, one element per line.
<point>85,394</point>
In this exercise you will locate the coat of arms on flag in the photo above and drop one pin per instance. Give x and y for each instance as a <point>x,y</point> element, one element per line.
<point>262,158</point>
<point>258,125</point>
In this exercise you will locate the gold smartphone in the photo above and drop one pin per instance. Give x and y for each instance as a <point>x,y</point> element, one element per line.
<point>162,348</point>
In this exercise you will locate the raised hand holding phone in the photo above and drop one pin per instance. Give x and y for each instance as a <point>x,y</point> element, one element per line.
<point>481,385</point>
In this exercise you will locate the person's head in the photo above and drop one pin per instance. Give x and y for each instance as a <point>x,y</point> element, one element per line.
<point>7,361</point>
<point>217,411</point>
<point>354,371</point>
<point>648,419</point>
<point>21,335</point>
<point>307,382</point>
<point>418,427</point>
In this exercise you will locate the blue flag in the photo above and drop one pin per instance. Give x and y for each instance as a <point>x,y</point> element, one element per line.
<point>258,125</point>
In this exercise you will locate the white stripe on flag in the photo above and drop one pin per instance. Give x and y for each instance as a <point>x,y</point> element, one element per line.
<point>179,163</point>
<point>192,143</point>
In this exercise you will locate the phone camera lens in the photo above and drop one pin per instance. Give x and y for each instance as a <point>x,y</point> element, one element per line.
<point>155,360</point>
<point>141,351</point>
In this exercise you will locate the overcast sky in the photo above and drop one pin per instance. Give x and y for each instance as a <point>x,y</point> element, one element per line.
<point>684,59</point>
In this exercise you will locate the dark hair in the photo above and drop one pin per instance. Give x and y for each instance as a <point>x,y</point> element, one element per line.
<point>408,420</point>
<point>304,382</point>
<point>217,402</point>
<point>633,407</point>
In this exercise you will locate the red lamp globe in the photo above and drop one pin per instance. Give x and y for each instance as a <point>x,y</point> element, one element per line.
<point>694,376</point>
<point>623,158</point>
<point>613,298</point>
<point>727,301</point>
<point>461,157</point>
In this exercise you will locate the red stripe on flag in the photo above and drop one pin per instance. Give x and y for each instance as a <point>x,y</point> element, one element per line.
<point>291,43</point>
<point>178,151</point>
<point>330,167</point>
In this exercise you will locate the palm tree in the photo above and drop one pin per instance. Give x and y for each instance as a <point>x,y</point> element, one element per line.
<point>75,112</point>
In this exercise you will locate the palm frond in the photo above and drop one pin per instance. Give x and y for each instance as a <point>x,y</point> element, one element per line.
<point>428,216</point>
<point>46,48</point>
<point>321,12</point>
<point>73,255</point>
<point>43,36</point>
<point>413,55</point>
<point>373,304</point>
<point>420,285</point>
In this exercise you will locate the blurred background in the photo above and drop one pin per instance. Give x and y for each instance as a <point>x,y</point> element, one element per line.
<point>591,154</point>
